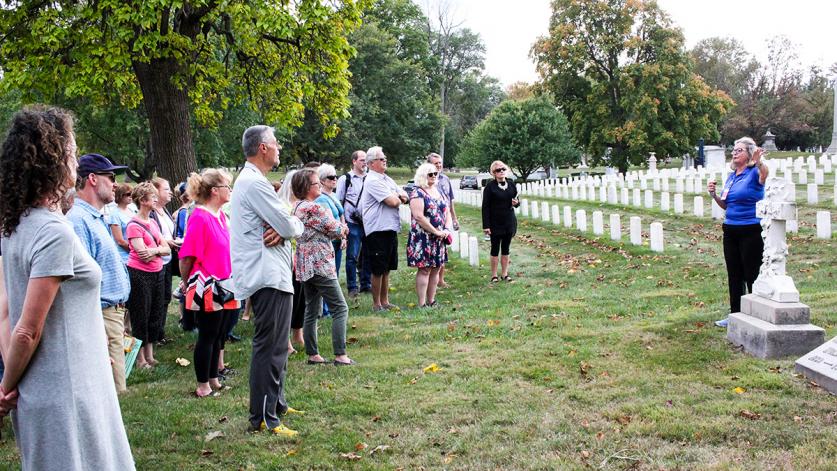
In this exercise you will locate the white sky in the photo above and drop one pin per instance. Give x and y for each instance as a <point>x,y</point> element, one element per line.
<point>510,27</point>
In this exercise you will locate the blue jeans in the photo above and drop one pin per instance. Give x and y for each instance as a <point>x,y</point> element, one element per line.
<point>353,255</point>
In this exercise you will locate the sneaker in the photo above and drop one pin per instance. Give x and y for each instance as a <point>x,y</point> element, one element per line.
<point>291,410</point>
<point>486,238</point>
<point>722,323</point>
<point>280,430</point>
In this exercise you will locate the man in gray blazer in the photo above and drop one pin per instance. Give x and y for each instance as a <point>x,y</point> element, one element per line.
<point>262,273</point>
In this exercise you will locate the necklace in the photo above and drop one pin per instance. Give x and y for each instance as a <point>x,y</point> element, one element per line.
<point>503,185</point>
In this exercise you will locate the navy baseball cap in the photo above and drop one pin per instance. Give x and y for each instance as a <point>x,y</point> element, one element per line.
<point>97,163</point>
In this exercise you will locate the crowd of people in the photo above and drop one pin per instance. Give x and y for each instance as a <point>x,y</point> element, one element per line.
<point>86,257</point>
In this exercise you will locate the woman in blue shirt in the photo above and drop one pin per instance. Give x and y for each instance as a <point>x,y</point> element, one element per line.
<point>743,245</point>
<point>328,200</point>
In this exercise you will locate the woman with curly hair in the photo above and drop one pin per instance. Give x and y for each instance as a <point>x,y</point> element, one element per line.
<point>53,338</point>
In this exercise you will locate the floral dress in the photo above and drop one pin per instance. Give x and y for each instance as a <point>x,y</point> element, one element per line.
<point>314,252</point>
<point>423,249</point>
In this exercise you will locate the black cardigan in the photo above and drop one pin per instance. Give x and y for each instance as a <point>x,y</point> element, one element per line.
<point>497,210</point>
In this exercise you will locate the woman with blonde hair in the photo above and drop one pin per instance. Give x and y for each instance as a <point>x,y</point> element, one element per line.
<point>207,268</point>
<point>428,236</point>
<point>499,198</point>
<point>146,306</point>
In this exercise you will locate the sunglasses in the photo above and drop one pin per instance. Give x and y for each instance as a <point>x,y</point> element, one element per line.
<point>331,177</point>
<point>433,174</point>
<point>501,169</point>
<point>109,176</point>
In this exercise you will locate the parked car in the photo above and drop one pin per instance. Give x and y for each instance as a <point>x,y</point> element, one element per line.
<point>484,178</point>
<point>468,181</point>
<point>409,186</point>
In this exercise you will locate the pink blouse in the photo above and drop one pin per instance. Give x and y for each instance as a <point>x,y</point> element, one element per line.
<point>150,234</point>
<point>208,240</point>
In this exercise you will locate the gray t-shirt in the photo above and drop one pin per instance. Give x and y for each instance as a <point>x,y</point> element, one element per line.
<point>377,216</point>
<point>67,414</point>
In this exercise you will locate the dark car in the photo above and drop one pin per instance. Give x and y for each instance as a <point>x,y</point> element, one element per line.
<point>468,181</point>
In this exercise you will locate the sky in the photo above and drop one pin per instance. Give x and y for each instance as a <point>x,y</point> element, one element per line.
<point>510,27</point>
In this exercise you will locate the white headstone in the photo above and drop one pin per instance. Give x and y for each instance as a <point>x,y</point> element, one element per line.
<point>637,201</point>
<point>636,230</point>
<point>656,237</point>
<point>534,210</point>
<point>819,177</point>
<point>813,193</point>
<point>835,194</point>
<point>678,203</point>
<point>823,224</point>
<point>679,185</point>
<point>565,192</point>
<point>568,217</point>
<point>624,196</point>
<point>664,185</point>
<point>803,177</point>
<point>776,208</point>
<point>454,245</point>
<point>524,207</point>
<point>792,226</point>
<point>649,199</point>
<point>665,201</point>
<point>690,185</point>
<point>582,192</point>
<point>615,227</point>
<point>598,223</point>
<point>473,252</point>
<point>820,364</point>
<point>717,211</point>
<point>463,244</point>
<point>556,215</point>
<point>655,184</point>
<point>611,194</point>
<point>698,209</point>
<point>602,194</point>
<point>544,211</point>
<point>581,220</point>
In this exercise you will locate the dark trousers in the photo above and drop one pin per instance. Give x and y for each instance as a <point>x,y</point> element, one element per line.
<point>146,307</point>
<point>357,263</point>
<point>209,344</point>
<point>298,310</point>
<point>743,247</point>
<point>268,363</point>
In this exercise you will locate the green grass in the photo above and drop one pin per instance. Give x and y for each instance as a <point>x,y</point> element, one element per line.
<point>600,355</point>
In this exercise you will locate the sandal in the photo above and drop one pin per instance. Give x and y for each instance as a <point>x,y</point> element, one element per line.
<point>494,279</point>
<point>507,278</point>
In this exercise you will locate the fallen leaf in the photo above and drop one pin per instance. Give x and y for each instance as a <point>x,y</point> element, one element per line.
<point>572,353</point>
<point>493,323</point>
<point>206,452</point>
<point>378,449</point>
<point>431,368</point>
<point>183,362</point>
<point>749,414</point>
<point>739,390</point>
<point>449,458</point>
<point>376,418</point>
<point>600,436</point>
<point>360,446</point>
<point>797,419</point>
<point>351,340</point>
<point>351,456</point>
<point>213,435</point>
<point>585,423</point>
<point>393,435</point>
<point>584,368</point>
<point>585,454</point>
<point>223,419</point>
<point>624,420</point>
<point>413,381</point>
<point>290,453</point>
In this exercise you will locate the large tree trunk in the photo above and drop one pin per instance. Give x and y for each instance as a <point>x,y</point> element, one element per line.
<point>167,108</point>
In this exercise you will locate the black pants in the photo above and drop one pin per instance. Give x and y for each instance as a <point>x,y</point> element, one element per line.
<point>268,362</point>
<point>145,304</point>
<point>500,244</point>
<point>210,342</point>
<point>743,247</point>
<point>298,313</point>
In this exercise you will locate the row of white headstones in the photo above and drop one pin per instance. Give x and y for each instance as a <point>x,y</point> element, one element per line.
<point>465,244</point>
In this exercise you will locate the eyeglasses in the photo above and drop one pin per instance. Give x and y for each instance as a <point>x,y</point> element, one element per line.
<point>316,184</point>
<point>331,177</point>
<point>501,169</point>
<point>109,176</point>
<point>377,160</point>
<point>223,186</point>
<point>738,150</point>
<point>433,174</point>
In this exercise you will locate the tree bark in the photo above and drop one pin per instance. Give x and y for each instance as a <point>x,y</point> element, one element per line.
<point>167,108</point>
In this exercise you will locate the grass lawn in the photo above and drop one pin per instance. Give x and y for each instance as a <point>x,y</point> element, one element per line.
<point>599,355</point>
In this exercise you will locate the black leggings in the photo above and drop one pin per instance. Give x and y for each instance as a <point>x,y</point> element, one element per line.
<point>500,243</point>
<point>743,247</point>
<point>211,335</point>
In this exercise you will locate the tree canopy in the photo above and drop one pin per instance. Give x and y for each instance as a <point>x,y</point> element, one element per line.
<point>619,69</point>
<point>183,60</point>
<point>525,134</point>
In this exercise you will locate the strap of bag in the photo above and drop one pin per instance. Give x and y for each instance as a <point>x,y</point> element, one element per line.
<point>146,229</point>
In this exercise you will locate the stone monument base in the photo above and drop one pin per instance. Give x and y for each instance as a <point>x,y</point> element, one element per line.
<point>768,329</point>
<point>820,366</point>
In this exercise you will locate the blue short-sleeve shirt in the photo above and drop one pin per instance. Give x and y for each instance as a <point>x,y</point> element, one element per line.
<point>743,192</point>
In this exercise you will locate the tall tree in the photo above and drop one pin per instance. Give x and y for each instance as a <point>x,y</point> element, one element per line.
<point>183,59</point>
<point>456,52</point>
<point>526,134</point>
<point>619,70</point>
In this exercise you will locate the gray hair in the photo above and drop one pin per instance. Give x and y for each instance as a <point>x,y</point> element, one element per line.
<point>421,174</point>
<point>434,155</point>
<point>253,136</point>
<point>327,170</point>
<point>749,147</point>
<point>375,153</point>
